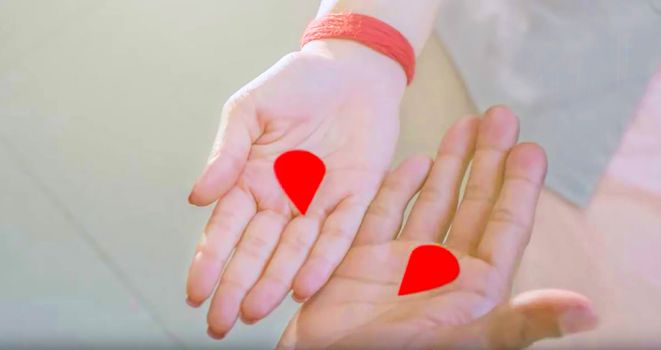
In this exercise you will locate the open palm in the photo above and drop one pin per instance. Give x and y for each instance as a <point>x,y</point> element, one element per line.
<point>359,306</point>
<point>316,100</point>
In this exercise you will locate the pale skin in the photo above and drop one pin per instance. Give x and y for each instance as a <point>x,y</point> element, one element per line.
<point>359,306</point>
<point>335,98</point>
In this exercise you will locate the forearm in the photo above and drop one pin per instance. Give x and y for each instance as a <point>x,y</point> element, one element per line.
<point>413,18</point>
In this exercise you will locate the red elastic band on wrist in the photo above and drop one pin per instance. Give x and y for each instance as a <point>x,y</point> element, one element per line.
<point>368,31</point>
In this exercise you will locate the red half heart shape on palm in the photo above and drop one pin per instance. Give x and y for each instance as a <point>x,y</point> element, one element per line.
<point>300,173</point>
<point>429,267</point>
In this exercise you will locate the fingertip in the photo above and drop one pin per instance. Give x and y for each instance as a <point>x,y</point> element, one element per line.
<point>200,198</point>
<point>214,335</point>
<point>460,137</point>
<point>499,123</point>
<point>247,320</point>
<point>538,314</point>
<point>224,309</point>
<point>191,303</point>
<point>197,194</point>
<point>575,312</point>
<point>301,290</point>
<point>308,281</point>
<point>200,282</point>
<point>258,304</point>
<point>530,152</point>
<point>217,179</point>
<point>528,157</point>
<point>195,197</point>
<point>297,298</point>
<point>578,319</point>
<point>467,124</point>
<point>501,112</point>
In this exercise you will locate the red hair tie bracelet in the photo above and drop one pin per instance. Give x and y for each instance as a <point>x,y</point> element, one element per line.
<point>368,31</point>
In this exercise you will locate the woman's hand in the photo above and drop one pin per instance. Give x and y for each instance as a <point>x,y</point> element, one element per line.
<point>359,307</point>
<point>337,99</point>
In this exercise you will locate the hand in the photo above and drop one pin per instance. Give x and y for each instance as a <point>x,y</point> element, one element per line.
<point>359,306</point>
<point>337,99</point>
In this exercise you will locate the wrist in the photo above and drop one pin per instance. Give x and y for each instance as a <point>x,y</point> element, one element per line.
<point>360,59</point>
<point>414,19</point>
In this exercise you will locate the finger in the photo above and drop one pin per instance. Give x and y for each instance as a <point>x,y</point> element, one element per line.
<point>292,250</point>
<point>236,133</point>
<point>536,315</point>
<point>227,222</point>
<point>246,265</point>
<point>385,214</point>
<point>299,237</point>
<point>294,246</point>
<point>435,206</point>
<point>496,136</point>
<point>510,223</point>
<point>336,236</point>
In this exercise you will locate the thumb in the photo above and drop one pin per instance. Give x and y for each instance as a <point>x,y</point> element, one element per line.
<point>229,152</point>
<point>539,314</point>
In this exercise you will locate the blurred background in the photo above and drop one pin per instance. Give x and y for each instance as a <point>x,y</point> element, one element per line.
<point>107,113</point>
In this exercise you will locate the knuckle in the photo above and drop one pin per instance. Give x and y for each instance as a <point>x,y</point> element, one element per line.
<point>449,153</point>
<point>231,105</point>
<point>323,259</point>
<point>339,233</point>
<point>221,220</point>
<point>523,182</point>
<point>238,102</point>
<point>519,336</point>
<point>297,242</point>
<point>231,282</point>
<point>479,193</point>
<point>508,216</point>
<point>393,185</point>
<point>432,194</point>
<point>490,151</point>
<point>380,210</point>
<point>336,238</point>
<point>525,334</point>
<point>255,245</point>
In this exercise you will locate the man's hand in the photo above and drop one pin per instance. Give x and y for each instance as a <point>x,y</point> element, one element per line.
<point>359,306</point>
<point>337,99</point>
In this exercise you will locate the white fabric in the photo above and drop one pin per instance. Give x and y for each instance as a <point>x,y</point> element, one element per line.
<point>573,70</point>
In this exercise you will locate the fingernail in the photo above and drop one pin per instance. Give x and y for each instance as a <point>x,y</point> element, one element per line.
<point>248,321</point>
<point>191,303</point>
<point>578,319</point>
<point>297,298</point>
<point>192,191</point>
<point>214,335</point>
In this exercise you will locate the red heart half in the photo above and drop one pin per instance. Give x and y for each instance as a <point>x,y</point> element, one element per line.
<point>429,267</point>
<point>300,173</point>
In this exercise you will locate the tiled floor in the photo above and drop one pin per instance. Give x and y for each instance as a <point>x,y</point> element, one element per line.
<point>107,110</point>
